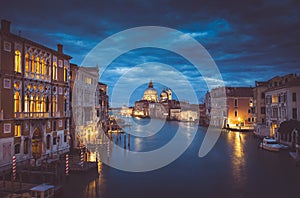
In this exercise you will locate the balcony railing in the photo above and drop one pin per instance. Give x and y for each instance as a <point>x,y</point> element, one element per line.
<point>37,76</point>
<point>32,115</point>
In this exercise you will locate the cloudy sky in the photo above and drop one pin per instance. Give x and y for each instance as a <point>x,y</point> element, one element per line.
<point>249,40</point>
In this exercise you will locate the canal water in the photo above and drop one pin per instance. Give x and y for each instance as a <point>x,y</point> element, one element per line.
<point>235,167</point>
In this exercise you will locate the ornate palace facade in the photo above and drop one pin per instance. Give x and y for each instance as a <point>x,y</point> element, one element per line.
<point>34,99</point>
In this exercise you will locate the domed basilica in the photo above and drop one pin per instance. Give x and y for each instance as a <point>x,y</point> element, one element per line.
<point>150,93</point>
<point>152,106</point>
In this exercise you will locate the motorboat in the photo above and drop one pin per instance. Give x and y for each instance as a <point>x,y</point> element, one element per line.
<point>270,145</point>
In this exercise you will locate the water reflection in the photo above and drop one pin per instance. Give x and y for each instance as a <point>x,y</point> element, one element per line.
<point>234,168</point>
<point>92,189</point>
<point>238,159</point>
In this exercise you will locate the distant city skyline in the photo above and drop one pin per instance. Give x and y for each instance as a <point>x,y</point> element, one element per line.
<point>249,40</point>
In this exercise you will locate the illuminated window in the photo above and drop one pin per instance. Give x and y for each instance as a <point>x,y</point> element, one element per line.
<point>38,66</point>
<point>65,74</point>
<point>54,71</point>
<point>32,104</point>
<point>43,67</point>
<point>274,99</point>
<point>43,104</point>
<point>37,104</point>
<point>88,80</point>
<point>32,64</point>
<point>18,61</point>
<point>250,103</point>
<point>17,130</point>
<point>26,103</point>
<point>54,104</point>
<point>27,69</point>
<point>17,102</point>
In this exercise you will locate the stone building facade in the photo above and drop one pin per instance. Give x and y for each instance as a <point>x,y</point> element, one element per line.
<point>34,99</point>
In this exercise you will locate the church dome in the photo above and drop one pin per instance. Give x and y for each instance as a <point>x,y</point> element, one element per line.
<point>150,93</point>
<point>164,96</point>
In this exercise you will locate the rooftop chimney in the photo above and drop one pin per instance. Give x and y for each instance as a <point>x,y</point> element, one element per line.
<point>5,25</point>
<point>60,48</point>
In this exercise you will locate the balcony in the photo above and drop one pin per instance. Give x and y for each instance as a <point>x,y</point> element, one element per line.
<point>34,115</point>
<point>37,76</point>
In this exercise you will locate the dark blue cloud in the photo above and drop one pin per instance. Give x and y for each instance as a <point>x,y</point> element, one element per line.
<point>249,40</point>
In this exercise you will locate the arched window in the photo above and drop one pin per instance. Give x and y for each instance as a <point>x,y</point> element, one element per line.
<point>18,61</point>
<point>17,102</point>
<point>65,73</point>
<point>38,67</point>
<point>32,64</point>
<point>48,68</point>
<point>27,69</point>
<point>47,104</point>
<point>32,104</point>
<point>26,103</point>
<point>44,69</point>
<point>37,104</point>
<point>54,71</point>
<point>54,104</point>
<point>43,106</point>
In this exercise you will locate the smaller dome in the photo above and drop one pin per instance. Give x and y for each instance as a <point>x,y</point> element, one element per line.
<point>163,96</point>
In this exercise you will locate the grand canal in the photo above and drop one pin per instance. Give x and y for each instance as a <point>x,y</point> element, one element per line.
<point>235,167</point>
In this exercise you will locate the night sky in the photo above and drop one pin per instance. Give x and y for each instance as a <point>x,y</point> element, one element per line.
<point>250,40</point>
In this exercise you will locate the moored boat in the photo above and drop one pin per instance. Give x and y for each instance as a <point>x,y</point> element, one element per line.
<point>270,145</point>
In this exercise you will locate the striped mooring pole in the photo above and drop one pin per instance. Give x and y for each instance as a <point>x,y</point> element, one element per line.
<point>14,167</point>
<point>81,158</point>
<point>67,164</point>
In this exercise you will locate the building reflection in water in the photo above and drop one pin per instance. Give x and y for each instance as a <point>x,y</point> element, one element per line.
<point>94,187</point>
<point>238,157</point>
